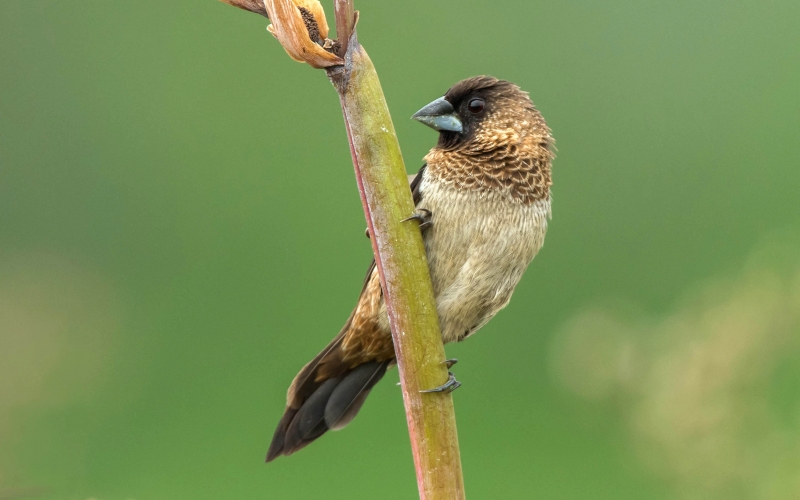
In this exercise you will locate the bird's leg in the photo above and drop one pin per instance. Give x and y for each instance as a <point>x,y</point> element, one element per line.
<point>423,216</point>
<point>451,385</point>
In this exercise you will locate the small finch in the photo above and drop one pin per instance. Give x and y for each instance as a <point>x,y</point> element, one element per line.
<point>483,202</point>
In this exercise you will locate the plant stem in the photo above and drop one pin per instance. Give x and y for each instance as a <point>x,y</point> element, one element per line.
<point>398,247</point>
<point>401,261</point>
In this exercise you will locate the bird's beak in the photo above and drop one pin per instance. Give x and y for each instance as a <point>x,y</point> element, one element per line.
<point>439,115</point>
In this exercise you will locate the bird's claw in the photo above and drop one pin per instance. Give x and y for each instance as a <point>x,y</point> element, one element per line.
<point>423,216</point>
<point>449,362</point>
<point>451,385</point>
<point>424,220</point>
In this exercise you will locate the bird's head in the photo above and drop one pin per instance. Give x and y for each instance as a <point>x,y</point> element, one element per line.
<point>491,139</point>
<point>483,113</point>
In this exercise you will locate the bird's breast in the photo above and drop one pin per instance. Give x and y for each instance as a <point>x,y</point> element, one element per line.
<point>478,247</point>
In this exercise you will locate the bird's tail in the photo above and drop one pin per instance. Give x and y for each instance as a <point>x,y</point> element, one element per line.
<point>325,395</point>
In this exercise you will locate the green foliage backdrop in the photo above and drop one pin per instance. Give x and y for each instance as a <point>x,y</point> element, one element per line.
<point>180,232</point>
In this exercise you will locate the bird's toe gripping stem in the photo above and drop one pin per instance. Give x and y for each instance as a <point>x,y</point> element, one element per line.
<point>449,362</point>
<point>423,216</point>
<point>451,385</point>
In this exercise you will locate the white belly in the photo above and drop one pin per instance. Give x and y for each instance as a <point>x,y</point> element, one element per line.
<point>478,248</point>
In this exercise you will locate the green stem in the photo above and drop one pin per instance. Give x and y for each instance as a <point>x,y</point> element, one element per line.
<point>401,261</point>
<point>398,247</point>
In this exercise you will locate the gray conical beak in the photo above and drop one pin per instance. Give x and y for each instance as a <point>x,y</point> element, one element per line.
<point>439,115</point>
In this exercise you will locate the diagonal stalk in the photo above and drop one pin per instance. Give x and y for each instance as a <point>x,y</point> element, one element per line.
<point>398,247</point>
<point>400,257</point>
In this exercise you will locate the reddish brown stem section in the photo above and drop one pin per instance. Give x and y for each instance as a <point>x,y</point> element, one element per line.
<point>345,23</point>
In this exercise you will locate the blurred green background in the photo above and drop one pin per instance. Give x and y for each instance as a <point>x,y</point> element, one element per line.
<point>180,232</point>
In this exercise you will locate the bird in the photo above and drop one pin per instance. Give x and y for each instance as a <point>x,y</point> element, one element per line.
<point>483,202</point>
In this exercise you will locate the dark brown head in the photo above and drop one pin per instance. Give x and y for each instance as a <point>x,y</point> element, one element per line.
<point>491,138</point>
<point>482,113</point>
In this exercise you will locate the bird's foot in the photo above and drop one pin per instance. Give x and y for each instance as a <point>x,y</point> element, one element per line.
<point>451,385</point>
<point>423,216</point>
<point>449,362</point>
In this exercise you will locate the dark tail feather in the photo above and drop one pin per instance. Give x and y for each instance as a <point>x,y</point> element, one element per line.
<point>331,406</point>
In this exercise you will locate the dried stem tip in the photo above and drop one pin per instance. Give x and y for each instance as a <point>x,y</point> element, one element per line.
<point>301,28</point>
<point>256,6</point>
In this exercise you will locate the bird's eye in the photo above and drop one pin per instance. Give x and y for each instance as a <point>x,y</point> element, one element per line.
<point>476,105</point>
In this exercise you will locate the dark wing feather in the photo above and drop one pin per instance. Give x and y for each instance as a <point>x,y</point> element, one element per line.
<point>415,185</point>
<point>319,401</point>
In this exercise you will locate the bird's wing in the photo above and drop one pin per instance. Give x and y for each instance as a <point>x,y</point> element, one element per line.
<point>330,389</point>
<point>363,337</point>
<point>414,182</point>
<point>371,278</point>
